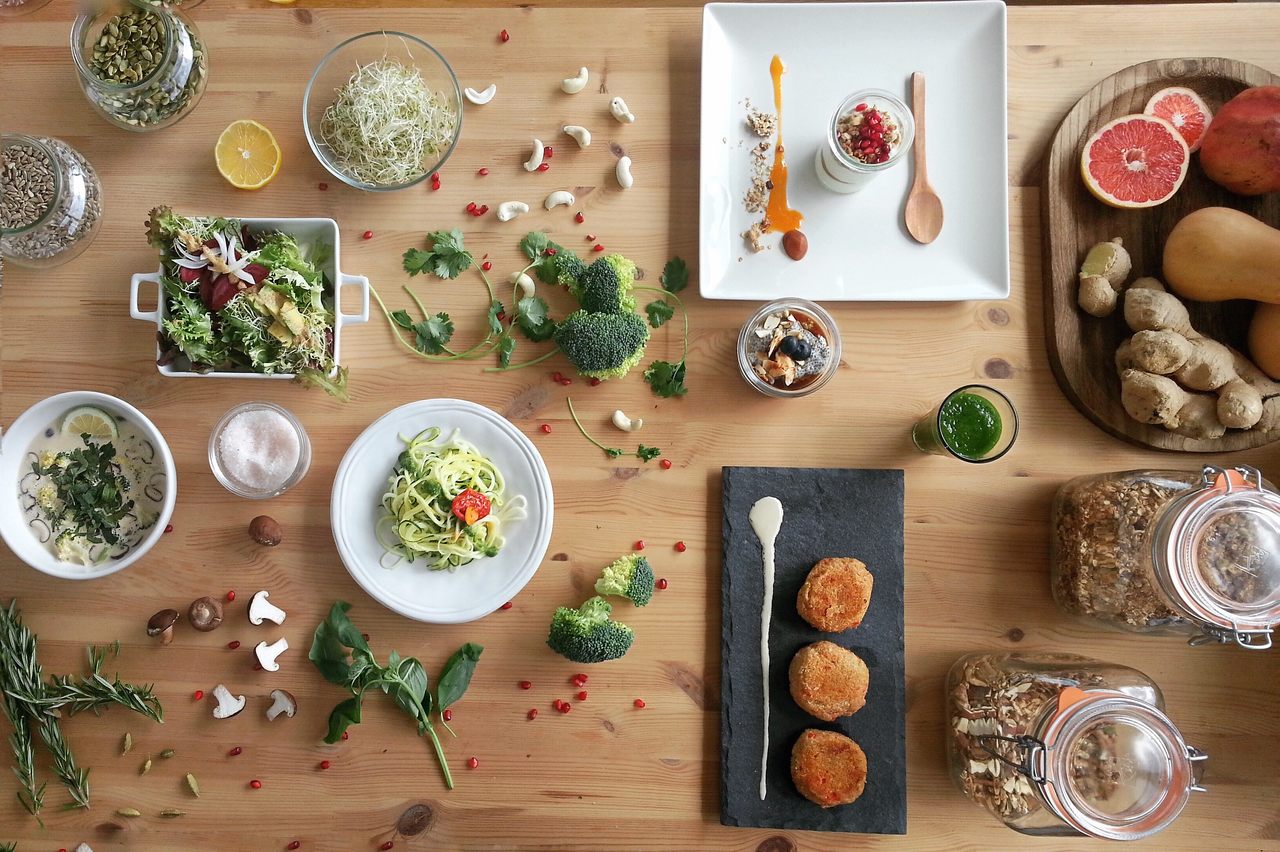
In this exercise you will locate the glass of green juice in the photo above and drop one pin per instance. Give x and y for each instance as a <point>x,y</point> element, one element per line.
<point>974,423</point>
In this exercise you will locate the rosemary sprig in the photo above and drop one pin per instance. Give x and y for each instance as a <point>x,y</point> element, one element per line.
<point>31,796</point>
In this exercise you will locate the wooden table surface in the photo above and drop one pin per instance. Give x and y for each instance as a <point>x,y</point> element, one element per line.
<point>606,776</point>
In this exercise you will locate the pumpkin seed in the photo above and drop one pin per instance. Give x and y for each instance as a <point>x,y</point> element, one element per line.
<point>129,812</point>
<point>127,744</point>
<point>170,813</point>
<point>146,767</point>
<point>193,785</point>
<point>167,753</point>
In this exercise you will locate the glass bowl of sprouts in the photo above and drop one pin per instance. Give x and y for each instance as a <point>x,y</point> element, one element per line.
<point>383,111</point>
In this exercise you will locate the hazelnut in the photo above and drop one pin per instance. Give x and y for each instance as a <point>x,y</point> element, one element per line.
<point>795,244</point>
<point>266,531</point>
<point>161,624</point>
<point>205,614</point>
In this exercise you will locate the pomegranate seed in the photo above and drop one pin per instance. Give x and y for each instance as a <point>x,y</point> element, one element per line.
<point>681,547</point>
<point>168,528</point>
<point>346,735</point>
<point>435,186</point>
<point>594,381</point>
<point>255,784</point>
<point>544,167</point>
<point>257,667</point>
<point>323,186</point>
<point>391,844</point>
<point>484,208</point>
<point>368,235</point>
<point>579,678</point>
<point>557,703</point>
<point>579,218</point>
<point>471,207</point>
<point>546,428</point>
<point>197,695</point>
<point>597,247</point>
<point>582,696</point>
<point>297,844</point>
<point>565,706</point>
<point>231,595</point>
<point>324,764</point>
<point>557,376</point>
<point>639,545</point>
<point>487,265</point>
<point>233,644</point>
<point>473,762</point>
<point>548,151</point>
<point>502,315</point>
<point>566,382</point>
<point>639,702</point>
<point>666,464</point>
<point>551,252</point>
<point>591,238</point>
<point>860,108</point>
<point>506,605</point>
<point>526,684</point>
<point>662,584</point>
<point>533,713</point>
<point>482,172</point>
<point>235,751</point>
<point>503,37</point>
<point>364,636</point>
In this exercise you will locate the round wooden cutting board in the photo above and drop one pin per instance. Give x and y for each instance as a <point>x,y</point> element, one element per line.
<point>1082,347</point>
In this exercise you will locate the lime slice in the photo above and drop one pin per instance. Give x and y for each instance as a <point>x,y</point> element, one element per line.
<point>92,421</point>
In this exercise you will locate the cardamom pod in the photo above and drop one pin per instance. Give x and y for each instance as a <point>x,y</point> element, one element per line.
<point>167,753</point>
<point>146,767</point>
<point>170,813</point>
<point>193,784</point>
<point>129,812</point>
<point>127,745</point>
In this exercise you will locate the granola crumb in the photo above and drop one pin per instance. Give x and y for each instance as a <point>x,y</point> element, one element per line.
<point>762,124</point>
<point>752,235</point>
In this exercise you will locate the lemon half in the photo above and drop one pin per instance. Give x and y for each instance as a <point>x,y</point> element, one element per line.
<point>247,154</point>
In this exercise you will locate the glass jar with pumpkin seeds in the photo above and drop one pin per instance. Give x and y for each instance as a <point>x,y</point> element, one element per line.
<point>50,201</point>
<point>142,65</point>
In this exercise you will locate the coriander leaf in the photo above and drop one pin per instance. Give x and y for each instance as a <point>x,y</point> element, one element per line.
<point>666,379</point>
<point>342,717</point>
<point>533,319</point>
<point>455,677</point>
<point>402,319</point>
<point>495,324</point>
<point>445,259</point>
<point>659,312</point>
<point>448,242</point>
<point>534,244</point>
<point>675,275</point>
<point>417,261</point>
<point>433,333</point>
<point>647,453</point>
<point>546,268</point>
<point>612,452</point>
<point>505,347</point>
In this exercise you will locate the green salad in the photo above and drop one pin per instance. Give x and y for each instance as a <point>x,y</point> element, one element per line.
<point>241,301</point>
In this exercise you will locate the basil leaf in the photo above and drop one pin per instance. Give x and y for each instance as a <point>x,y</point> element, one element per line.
<point>408,686</point>
<point>342,717</point>
<point>455,677</point>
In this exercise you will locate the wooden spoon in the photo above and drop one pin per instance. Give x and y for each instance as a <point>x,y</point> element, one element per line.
<point>924,207</point>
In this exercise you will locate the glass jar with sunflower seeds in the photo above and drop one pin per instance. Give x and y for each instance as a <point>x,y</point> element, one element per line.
<point>50,200</point>
<point>1060,745</point>
<point>143,66</point>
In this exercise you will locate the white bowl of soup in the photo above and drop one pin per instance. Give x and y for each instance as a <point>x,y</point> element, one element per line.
<point>87,485</point>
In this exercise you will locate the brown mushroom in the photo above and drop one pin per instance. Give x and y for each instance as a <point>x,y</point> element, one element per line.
<point>205,614</point>
<point>161,624</point>
<point>266,530</point>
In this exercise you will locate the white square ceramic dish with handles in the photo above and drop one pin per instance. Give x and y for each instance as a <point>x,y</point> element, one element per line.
<point>308,232</point>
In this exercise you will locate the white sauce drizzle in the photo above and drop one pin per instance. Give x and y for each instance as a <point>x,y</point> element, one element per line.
<point>766,520</point>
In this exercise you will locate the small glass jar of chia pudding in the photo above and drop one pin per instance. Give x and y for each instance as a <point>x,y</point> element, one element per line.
<point>788,348</point>
<point>870,133</point>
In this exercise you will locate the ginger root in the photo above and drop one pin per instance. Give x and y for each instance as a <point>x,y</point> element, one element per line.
<point>1102,276</point>
<point>1159,352</point>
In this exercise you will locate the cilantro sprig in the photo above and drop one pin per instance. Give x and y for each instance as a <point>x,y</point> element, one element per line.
<point>665,378</point>
<point>642,452</point>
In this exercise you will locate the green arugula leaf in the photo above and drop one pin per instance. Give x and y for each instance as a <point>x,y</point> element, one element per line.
<point>505,347</point>
<point>455,677</point>
<point>534,244</point>
<point>647,453</point>
<point>666,379</point>
<point>495,324</point>
<point>533,319</point>
<point>342,717</point>
<point>675,275</point>
<point>659,312</point>
<point>433,333</point>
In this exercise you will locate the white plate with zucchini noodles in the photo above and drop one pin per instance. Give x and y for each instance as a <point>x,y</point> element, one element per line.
<point>442,510</point>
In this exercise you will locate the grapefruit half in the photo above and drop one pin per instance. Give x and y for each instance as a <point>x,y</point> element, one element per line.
<point>1135,161</point>
<point>1185,110</point>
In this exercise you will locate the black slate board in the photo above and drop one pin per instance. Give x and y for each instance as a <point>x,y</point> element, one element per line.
<point>828,512</point>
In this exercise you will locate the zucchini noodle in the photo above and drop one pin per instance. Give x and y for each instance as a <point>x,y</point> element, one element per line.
<point>419,521</point>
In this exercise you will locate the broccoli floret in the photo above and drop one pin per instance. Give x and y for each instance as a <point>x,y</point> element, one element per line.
<point>602,288</point>
<point>627,577</point>
<point>569,268</point>
<point>623,268</point>
<point>586,635</point>
<point>602,346</point>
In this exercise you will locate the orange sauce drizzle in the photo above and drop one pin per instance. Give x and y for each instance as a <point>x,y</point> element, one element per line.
<point>778,213</point>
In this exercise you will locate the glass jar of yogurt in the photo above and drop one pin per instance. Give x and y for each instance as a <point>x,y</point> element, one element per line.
<point>790,347</point>
<point>871,131</point>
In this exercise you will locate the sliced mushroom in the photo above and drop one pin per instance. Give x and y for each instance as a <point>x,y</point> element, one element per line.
<point>267,654</point>
<point>261,609</point>
<point>282,703</point>
<point>228,704</point>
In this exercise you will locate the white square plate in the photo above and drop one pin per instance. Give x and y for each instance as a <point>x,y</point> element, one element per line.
<point>859,249</point>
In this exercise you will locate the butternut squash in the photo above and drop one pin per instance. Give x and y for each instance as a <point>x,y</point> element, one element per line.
<point>1217,253</point>
<point>1264,338</point>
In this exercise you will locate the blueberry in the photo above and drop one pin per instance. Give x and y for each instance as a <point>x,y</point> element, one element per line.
<point>795,348</point>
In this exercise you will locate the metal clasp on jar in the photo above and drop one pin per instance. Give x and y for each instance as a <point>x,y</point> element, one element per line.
<point>1209,477</point>
<point>1032,764</point>
<point>1254,640</point>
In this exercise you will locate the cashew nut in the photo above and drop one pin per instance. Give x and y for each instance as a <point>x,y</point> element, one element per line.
<point>560,196</point>
<point>509,210</point>
<point>535,159</point>
<point>623,172</point>
<point>573,85</point>
<point>625,423</point>
<point>618,108</point>
<point>578,134</point>
<point>524,282</point>
<point>481,98</point>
